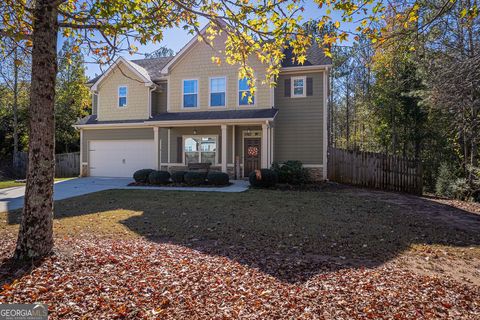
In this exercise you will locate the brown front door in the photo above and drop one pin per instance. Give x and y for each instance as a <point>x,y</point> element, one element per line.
<point>251,152</point>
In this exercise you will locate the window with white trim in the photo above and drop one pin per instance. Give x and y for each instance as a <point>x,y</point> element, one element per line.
<point>122,96</point>
<point>217,92</point>
<point>299,85</point>
<point>244,93</point>
<point>190,93</point>
<point>200,149</point>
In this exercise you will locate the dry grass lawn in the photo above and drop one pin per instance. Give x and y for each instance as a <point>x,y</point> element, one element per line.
<point>340,253</point>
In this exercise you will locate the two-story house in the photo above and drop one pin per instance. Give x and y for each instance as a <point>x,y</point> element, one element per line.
<point>164,113</point>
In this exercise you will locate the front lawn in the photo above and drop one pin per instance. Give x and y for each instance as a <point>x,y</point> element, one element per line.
<point>336,254</point>
<point>13,183</point>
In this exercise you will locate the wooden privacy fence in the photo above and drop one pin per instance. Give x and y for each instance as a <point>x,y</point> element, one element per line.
<point>66,164</point>
<point>375,170</point>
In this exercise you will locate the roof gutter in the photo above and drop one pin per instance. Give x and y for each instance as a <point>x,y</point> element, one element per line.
<point>305,68</point>
<point>176,123</point>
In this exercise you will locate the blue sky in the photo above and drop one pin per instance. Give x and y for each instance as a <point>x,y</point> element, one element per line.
<point>176,38</point>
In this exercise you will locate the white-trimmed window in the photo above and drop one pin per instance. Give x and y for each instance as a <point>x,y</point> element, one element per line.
<point>218,87</point>
<point>190,93</point>
<point>122,96</point>
<point>299,87</point>
<point>200,149</point>
<point>244,93</point>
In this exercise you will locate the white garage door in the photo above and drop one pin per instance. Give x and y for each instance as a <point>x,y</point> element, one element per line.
<point>120,158</point>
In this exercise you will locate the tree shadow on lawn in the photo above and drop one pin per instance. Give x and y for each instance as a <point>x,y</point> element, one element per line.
<point>289,235</point>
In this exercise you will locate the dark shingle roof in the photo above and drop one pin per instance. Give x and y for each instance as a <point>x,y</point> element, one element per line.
<point>216,115</point>
<point>92,119</point>
<point>153,66</point>
<point>315,56</point>
<point>197,115</point>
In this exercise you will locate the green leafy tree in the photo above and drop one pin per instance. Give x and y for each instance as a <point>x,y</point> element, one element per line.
<point>72,97</point>
<point>106,27</point>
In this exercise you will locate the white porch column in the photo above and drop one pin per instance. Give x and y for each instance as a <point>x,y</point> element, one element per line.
<point>233,145</point>
<point>168,146</point>
<point>265,145</point>
<point>224,148</point>
<point>271,146</point>
<point>156,148</point>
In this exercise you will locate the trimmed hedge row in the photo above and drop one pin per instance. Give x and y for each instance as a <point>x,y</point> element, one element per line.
<point>192,178</point>
<point>159,177</point>
<point>218,178</point>
<point>142,175</point>
<point>266,179</point>
<point>291,172</point>
<point>195,178</point>
<point>178,176</point>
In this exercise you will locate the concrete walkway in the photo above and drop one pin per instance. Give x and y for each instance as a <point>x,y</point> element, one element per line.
<point>12,198</point>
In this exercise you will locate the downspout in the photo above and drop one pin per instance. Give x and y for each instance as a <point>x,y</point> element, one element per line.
<point>150,92</point>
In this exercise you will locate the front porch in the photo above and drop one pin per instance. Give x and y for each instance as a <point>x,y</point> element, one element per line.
<point>236,148</point>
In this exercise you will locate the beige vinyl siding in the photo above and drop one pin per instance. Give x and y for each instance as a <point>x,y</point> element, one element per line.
<point>159,100</point>
<point>298,130</point>
<point>137,96</point>
<point>197,64</point>
<point>94,104</point>
<point>113,134</point>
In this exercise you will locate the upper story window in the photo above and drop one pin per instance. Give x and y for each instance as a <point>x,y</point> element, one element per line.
<point>190,93</point>
<point>299,87</point>
<point>217,92</point>
<point>122,96</point>
<point>244,93</point>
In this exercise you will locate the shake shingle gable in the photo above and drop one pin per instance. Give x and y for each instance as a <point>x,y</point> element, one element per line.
<point>154,66</point>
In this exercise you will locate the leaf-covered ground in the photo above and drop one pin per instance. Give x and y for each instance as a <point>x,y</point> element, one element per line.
<point>334,254</point>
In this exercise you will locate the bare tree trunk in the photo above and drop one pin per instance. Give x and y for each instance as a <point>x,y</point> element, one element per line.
<point>35,238</point>
<point>15,112</point>
<point>348,112</point>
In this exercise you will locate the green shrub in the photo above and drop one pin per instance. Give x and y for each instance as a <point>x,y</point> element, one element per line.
<point>159,177</point>
<point>142,175</point>
<point>218,178</point>
<point>195,178</point>
<point>269,179</point>
<point>464,189</point>
<point>178,176</point>
<point>445,179</point>
<point>291,172</point>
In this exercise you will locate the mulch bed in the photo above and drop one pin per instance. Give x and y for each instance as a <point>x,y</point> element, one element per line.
<point>317,186</point>
<point>91,277</point>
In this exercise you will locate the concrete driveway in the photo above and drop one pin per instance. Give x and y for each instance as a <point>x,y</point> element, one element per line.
<point>12,198</point>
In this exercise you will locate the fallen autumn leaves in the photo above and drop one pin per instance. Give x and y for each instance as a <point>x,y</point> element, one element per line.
<point>103,278</point>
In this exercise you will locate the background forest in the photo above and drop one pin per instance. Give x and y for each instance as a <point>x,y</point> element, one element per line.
<point>415,94</point>
<point>72,102</point>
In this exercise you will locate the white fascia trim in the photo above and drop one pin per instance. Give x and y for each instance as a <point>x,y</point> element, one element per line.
<point>187,47</point>
<point>305,68</point>
<point>184,50</point>
<point>187,123</point>
<point>148,81</point>
<point>111,125</point>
